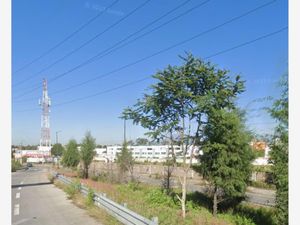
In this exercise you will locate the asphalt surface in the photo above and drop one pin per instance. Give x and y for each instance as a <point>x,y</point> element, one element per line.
<point>36,201</point>
<point>254,195</point>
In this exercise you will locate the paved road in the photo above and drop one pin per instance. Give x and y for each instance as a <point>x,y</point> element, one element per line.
<point>253,195</point>
<point>36,201</point>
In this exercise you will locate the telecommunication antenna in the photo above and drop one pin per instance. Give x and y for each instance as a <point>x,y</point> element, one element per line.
<point>45,104</point>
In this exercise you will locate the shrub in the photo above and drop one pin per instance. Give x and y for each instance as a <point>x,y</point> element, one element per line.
<point>134,185</point>
<point>80,173</point>
<point>90,197</point>
<point>73,189</point>
<point>51,178</point>
<point>262,185</point>
<point>260,216</point>
<point>157,197</point>
<point>241,220</point>
<point>15,165</point>
<point>94,178</point>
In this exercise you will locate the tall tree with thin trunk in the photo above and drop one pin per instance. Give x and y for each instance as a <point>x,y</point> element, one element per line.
<point>57,150</point>
<point>227,156</point>
<point>71,156</point>
<point>279,154</point>
<point>125,161</point>
<point>177,107</point>
<point>87,152</point>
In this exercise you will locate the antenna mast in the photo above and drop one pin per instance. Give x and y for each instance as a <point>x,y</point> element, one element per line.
<point>45,141</point>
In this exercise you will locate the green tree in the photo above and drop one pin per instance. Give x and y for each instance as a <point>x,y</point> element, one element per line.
<point>279,154</point>
<point>227,155</point>
<point>176,110</point>
<point>130,143</point>
<point>57,150</point>
<point>71,155</point>
<point>141,141</point>
<point>87,152</point>
<point>125,161</point>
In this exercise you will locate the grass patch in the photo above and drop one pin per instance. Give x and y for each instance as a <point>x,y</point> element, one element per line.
<point>150,201</point>
<point>15,165</point>
<point>80,201</point>
<point>263,185</point>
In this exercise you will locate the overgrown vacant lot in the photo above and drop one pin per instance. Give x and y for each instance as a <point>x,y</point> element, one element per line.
<point>151,201</point>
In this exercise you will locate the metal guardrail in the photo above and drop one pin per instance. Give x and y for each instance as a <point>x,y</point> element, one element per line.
<point>120,212</point>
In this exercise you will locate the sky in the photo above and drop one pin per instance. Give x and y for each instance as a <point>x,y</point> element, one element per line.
<point>38,26</point>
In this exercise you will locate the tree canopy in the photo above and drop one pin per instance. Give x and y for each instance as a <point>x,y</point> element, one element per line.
<point>279,153</point>
<point>177,107</point>
<point>125,160</point>
<point>57,150</point>
<point>227,155</point>
<point>141,141</point>
<point>87,151</point>
<point>71,156</point>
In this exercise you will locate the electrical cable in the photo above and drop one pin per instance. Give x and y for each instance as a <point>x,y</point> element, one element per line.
<point>86,43</point>
<point>157,53</point>
<point>148,77</point>
<point>66,38</point>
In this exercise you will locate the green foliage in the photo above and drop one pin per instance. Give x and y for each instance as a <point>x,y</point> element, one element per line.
<point>24,159</point>
<point>134,185</point>
<point>15,165</point>
<point>185,95</point>
<point>80,173</point>
<point>90,197</point>
<point>142,141</point>
<point>158,197</point>
<point>263,185</point>
<point>73,189</point>
<point>71,155</point>
<point>57,150</point>
<point>51,178</point>
<point>87,152</point>
<point>130,143</point>
<point>125,160</point>
<point>227,156</point>
<point>260,216</point>
<point>237,220</point>
<point>267,168</point>
<point>258,153</point>
<point>279,154</point>
<point>183,92</point>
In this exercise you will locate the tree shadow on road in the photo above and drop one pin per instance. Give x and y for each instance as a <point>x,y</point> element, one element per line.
<point>29,185</point>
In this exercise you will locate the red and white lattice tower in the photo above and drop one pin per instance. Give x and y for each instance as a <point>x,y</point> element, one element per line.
<point>45,141</point>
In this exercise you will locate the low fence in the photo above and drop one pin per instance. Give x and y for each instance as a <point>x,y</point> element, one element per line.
<point>120,212</point>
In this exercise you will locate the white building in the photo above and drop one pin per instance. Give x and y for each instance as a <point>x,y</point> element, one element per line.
<point>34,156</point>
<point>151,153</point>
<point>261,161</point>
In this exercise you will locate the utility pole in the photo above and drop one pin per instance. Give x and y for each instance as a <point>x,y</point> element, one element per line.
<point>124,130</point>
<point>56,134</point>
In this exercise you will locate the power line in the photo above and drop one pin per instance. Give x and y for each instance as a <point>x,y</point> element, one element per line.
<point>157,53</point>
<point>66,38</point>
<point>94,58</point>
<point>152,55</point>
<point>148,77</point>
<point>143,28</point>
<point>87,42</point>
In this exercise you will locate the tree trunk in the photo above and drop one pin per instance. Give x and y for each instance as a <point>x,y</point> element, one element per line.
<point>86,172</point>
<point>215,203</point>
<point>183,198</point>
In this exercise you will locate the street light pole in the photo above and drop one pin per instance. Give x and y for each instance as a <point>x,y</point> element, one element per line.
<point>57,135</point>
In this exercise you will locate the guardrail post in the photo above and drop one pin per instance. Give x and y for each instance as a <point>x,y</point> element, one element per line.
<point>155,221</point>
